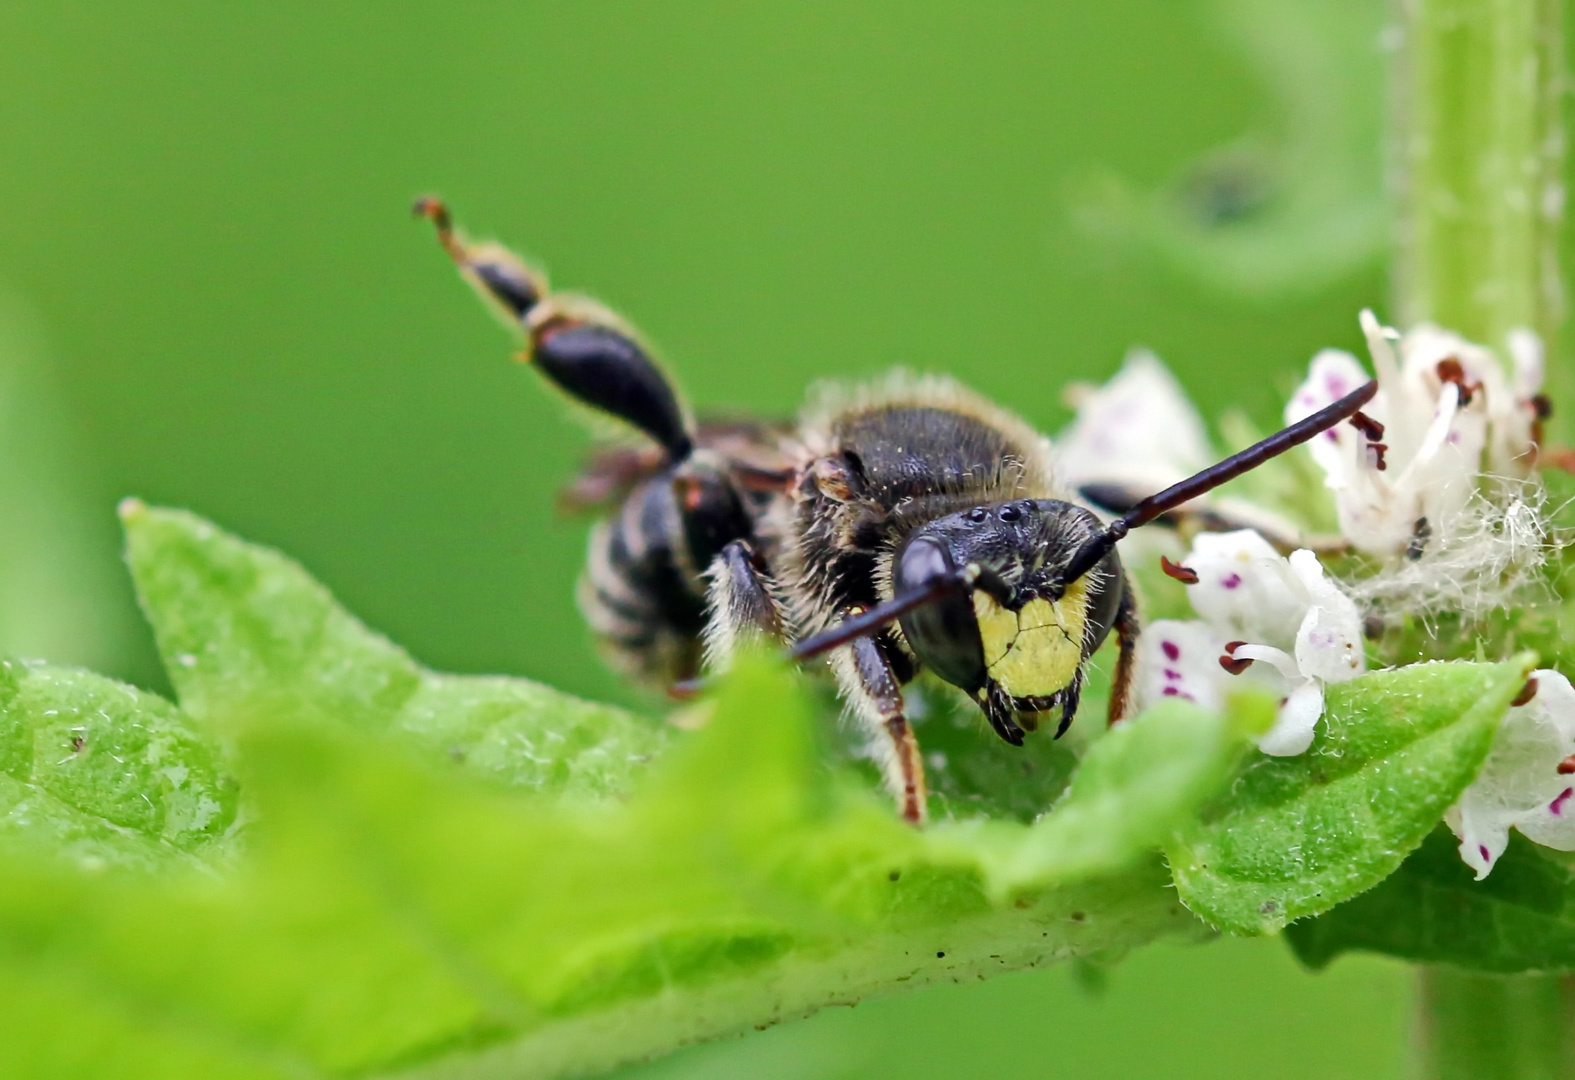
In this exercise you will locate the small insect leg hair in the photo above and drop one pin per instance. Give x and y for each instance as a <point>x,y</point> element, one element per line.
<point>580,347</point>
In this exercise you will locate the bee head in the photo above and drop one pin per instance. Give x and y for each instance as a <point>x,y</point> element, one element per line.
<point>1016,641</point>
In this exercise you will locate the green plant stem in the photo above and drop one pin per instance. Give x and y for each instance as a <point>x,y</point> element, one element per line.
<point>1494,1027</point>
<point>1479,145</point>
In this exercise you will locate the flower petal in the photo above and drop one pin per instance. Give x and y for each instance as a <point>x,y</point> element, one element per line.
<point>1138,429</point>
<point>1332,374</point>
<point>1292,732</point>
<point>1520,785</point>
<point>1329,643</point>
<point>1245,589</point>
<point>1179,659</point>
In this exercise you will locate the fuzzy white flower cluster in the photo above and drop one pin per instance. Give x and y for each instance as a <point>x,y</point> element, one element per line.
<point>1431,481</point>
<point>1444,415</point>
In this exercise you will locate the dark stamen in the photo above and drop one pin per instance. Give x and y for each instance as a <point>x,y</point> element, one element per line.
<point>1230,663</point>
<point>1184,574</point>
<point>1378,449</point>
<point>1527,692</point>
<point>1421,532</point>
<point>1367,426</point>
<point>1567,766</point>
<point>1450,371</point>
<point>1542,405</point>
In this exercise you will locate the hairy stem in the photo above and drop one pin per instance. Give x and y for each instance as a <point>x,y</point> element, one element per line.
<point>1479,151</point>
<point>1478,148</point>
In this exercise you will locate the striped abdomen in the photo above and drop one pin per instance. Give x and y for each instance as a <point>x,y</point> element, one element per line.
<point>640,592</point>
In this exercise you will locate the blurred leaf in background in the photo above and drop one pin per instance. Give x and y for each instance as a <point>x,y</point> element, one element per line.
<point>1296,202</point>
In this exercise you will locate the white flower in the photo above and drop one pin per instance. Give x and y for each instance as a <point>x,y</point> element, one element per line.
<point>1448,413</point>
<point>1275,621</point>
<point>1528,782</point>
<point>1138,430</point>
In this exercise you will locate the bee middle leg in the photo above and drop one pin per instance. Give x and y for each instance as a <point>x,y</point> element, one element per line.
<point>869,684</point>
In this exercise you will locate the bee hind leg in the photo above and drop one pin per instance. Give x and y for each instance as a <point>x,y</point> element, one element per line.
<point>581,347</point>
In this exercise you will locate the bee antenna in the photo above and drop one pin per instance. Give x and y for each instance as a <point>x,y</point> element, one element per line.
<point>1096,548</point>
<point>880,616</point>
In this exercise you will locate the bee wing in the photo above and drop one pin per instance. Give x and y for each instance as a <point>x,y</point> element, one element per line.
<point>752,448</point>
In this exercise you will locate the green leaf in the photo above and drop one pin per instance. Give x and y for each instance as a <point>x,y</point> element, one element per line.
<point>391,911</point>
<point>1136,788</point>
<point>104,773</point>
<point>245,631</point>
<point>395,914</point>
<point>1298,835</point>
<point>1520,918</point>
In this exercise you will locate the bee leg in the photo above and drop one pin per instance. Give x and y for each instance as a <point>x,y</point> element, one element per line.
<point>1127,628</point>
<point>743,607</point>
<point>579,346</point>
<point>870,687</point>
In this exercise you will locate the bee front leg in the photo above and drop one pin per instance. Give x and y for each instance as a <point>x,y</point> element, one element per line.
<point>869,685</point>
<point>742,605</point>
<point>1127,628</point>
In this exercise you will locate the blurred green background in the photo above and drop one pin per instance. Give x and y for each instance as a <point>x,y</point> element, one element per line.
<point>211,296</point>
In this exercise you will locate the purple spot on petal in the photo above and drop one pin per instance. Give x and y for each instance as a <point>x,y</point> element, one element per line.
<point>1231,581</point>
<point>1486,855</point>
<point>1172,673</point>
<point>1556,807</point>
<point>1170,649</point>
<point>1170,691</point>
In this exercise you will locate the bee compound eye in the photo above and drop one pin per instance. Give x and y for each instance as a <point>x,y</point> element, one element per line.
<point>944,633</point>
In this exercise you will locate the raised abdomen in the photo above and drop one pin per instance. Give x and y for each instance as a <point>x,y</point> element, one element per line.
<point>646,608</point>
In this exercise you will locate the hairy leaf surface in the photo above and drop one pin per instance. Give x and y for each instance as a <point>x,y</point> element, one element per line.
<point>1298,835</point>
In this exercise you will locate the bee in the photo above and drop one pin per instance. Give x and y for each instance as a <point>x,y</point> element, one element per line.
<point>904,525</point>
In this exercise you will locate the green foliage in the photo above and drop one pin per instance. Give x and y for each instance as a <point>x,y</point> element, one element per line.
<point>102,773</point>
<point>1521,917</point>
<point>330,859</point>
<point>582,889</point>
<point>246,633</point>
<point>1298,835</point>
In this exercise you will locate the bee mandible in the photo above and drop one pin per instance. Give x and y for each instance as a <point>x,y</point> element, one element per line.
<point>898,526</point>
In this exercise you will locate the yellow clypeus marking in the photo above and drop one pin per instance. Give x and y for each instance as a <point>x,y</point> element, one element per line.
<point>1036,651</point>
